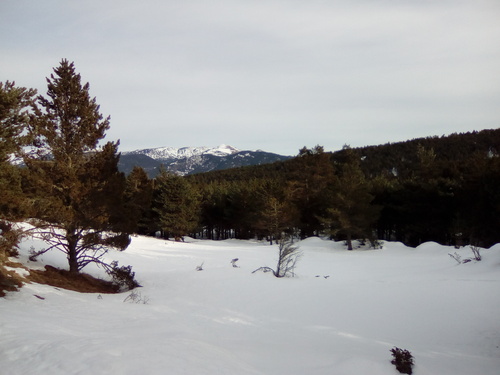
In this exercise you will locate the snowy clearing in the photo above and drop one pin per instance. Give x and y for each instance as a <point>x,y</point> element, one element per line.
<point>341,314</point>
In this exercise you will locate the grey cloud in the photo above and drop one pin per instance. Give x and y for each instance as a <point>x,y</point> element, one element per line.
<point>273,75</point>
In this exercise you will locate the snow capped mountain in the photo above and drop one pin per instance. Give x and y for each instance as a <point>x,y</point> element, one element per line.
<point>189,160</point>
<point>169,153</point>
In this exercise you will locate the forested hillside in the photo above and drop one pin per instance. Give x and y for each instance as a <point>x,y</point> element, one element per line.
<point>442,189</point>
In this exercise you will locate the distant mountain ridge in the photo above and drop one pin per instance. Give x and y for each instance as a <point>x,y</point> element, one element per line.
<point>168,153</point>
<point>189,160</point>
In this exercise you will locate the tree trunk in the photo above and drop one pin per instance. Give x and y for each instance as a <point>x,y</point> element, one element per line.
<point>349,241</point>
<point>72,255</point>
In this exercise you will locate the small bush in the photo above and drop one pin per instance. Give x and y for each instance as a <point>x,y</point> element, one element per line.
<point>288,256</point>
<point>9,239</point>
<point>123,277</point>
<point>376,244</point>
<point>403,360</point>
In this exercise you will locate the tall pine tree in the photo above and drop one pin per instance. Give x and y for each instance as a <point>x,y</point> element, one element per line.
<point>77,191</point>
<point>139,195</point>
<point>177,204</point>
<point>350,213</point>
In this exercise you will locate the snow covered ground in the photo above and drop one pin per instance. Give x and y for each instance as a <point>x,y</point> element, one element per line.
<point>341,314</point>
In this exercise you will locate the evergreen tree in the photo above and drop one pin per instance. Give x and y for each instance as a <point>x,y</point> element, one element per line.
<point>277,215</point>
<point>14,116</point>
<point>350,212</point>
<point>213,206</point>
<point>424,204</point>
<point>307,188</point>
<point>479,202</point>
<point>243,206</point>
<point>177,205</point>
<point>138,196</point>
<point>76,188</point>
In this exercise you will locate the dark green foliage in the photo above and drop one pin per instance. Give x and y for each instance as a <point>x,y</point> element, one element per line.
<point>139,195</point>
<point>14,116</point>
<point>307,185</point>
<point>76,189</point>
<point>442,189</point>
<point>177,205</point>
<point>13,205</point>
<point>9,238</point>
<point>350,213</point>
<point>276,218</point>
<point>403,360</point>
<point>479,202</point>
<point>122,277</point>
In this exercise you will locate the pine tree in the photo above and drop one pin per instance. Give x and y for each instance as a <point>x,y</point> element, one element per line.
<point>276,217</point>
<point>14,116</point>
<point>308,186</point>
<point>138,196</point>
<point>350,212</point>
<point>75,185</point>
<point>177,205</point>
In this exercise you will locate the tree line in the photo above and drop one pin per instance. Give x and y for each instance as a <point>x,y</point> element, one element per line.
<point>442,189</point>
<point>70,190</point>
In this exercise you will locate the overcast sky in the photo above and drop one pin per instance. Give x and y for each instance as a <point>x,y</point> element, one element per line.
<point>274,75</point>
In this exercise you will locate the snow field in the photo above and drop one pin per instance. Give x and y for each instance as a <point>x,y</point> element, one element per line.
<point>341,314</point>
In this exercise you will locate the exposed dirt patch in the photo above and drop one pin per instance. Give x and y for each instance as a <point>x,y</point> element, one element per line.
<point>64,279</point>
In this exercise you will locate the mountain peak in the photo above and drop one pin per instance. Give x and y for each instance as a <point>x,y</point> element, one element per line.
<point>188,160</point>
<point>222,150</point>
<point>172,153</point>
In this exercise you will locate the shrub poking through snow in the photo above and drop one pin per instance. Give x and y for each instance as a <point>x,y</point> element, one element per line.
<point>456,256</point>
<point>476,252</point>
<point>136,297</point>
<point>122,276</point>
<point>376,244</point>
<point>403,360</point>
<point>288,256</point>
